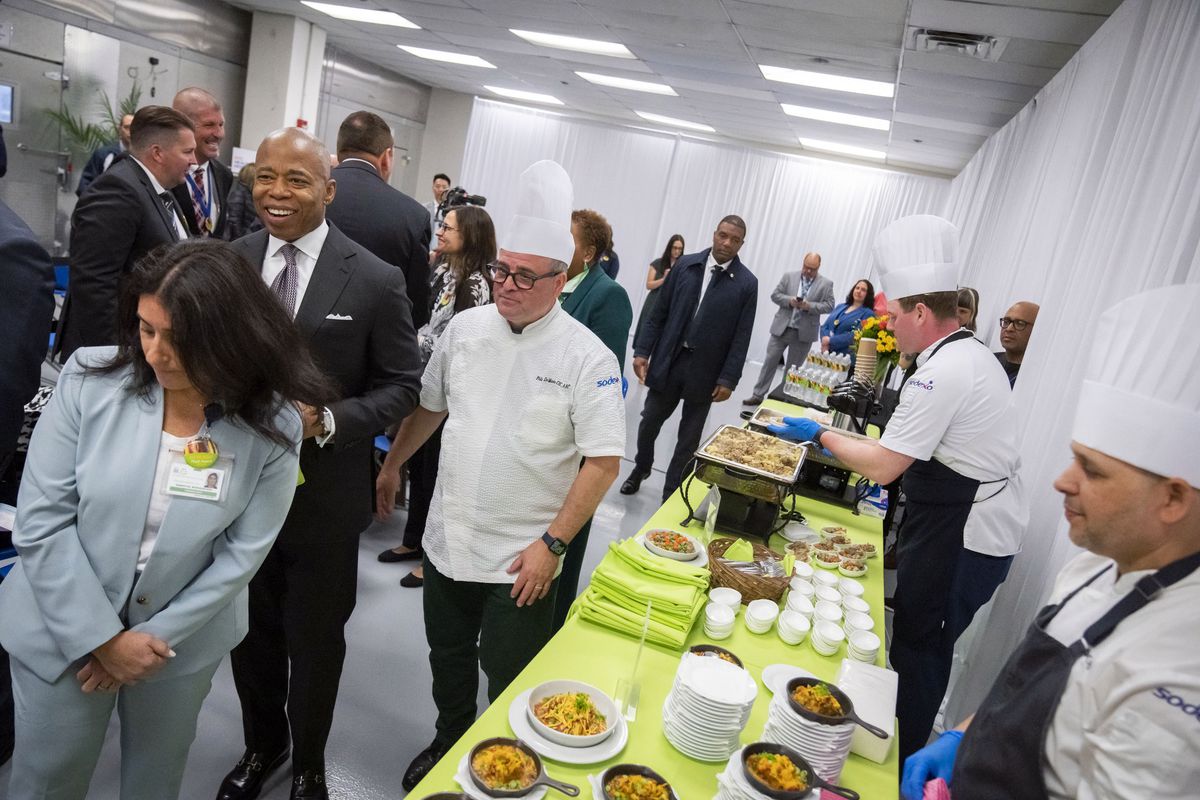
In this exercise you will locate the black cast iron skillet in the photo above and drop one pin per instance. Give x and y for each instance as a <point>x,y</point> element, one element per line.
<point>632,769</point>
<point>542,779</point>
<point>841,697</point>
<point>710,649</point>
<point>814,780</point>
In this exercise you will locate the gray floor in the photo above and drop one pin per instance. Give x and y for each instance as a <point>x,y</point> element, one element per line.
<point>385,714</point>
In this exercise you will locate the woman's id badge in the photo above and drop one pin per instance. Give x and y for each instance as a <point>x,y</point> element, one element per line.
<point>207,483</point>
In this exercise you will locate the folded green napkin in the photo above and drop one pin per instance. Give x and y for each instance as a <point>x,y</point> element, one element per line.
<point>599,610</point>
<point>789,563</point>
<point>635,555</point>
<point>740,550</point>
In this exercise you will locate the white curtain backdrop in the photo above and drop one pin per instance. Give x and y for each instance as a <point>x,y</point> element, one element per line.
<point>650,185</point>
<point>1089,195</point>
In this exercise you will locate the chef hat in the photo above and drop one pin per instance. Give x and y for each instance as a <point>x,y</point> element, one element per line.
<point>917,255</point>
<point>1150,374</point>
<point>542,224</point>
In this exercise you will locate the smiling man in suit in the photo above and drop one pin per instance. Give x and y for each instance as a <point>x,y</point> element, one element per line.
<point>127,212</point>
<point>202,194</point>
<point>802,296</point>
<point>352,309</point>
<point>384,220</point>
<point>693,348</point>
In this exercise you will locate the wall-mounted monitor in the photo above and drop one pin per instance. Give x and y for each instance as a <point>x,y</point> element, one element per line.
<point>6,103</point>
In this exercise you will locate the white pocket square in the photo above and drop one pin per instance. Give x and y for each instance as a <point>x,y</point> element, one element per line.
<point>345,317</point>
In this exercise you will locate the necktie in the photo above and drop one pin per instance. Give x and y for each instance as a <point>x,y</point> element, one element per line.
<point>693,327</point>
<point>198,202</point>
<point>285,283</point>
<point>169,202</point>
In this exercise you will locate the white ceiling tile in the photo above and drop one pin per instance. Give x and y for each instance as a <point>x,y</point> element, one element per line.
<point>1000,20</point>
<point>953,64</point>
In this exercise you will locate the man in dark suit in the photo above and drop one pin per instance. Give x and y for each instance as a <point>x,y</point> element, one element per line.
<point>354,312</point>
<point>103,157</point>
<point>202,195</point>
<point>127,212</point>
<point>387,222</point>
<point>693,348</point>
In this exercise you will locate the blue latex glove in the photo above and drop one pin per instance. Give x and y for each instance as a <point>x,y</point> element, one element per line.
<point>796,429</point>
<point>930,762</point>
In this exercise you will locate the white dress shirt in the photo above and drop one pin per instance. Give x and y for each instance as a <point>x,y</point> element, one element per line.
<point>180,228</point>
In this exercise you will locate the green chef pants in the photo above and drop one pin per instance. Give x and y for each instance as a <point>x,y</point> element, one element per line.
<point>471,626</point>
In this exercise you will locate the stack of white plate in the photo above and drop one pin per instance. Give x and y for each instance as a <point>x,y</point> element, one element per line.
<point>718,620</point>
<point>863,646</point>
<point>856,621</point>
<point>732,784</point>
<point>826,637</point>
<point>793,627</point>
<point>708,707</point>
<point>825,747</point>
<point>760,615</point>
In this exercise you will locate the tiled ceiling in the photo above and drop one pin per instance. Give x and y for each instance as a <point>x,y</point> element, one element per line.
<point>709,51</point>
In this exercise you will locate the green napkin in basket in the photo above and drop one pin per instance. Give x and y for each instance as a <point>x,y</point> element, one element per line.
<point>740,550</point>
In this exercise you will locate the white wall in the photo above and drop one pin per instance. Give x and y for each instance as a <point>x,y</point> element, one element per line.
<point>445,140</point>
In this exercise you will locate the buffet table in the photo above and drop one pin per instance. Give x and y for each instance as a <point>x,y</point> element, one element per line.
<point>585,652</point>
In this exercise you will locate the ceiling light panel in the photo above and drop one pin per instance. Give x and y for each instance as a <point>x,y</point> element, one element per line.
<point>836,117</point>
<point>679,123</point>
<point>462,59</point>
<point>575,44</point>
<point>521,94</point>
<point>842,149</point>
<point>824,80</point>
<point>628,83</point>
<point>355,14</point>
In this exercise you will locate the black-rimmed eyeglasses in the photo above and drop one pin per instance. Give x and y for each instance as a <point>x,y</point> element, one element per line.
<point>444,227</point>
<point>1015,324</point>
<point>522,280</point>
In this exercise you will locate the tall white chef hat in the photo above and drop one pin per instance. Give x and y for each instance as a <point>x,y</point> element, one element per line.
<point>542,224</point>
<point>917,255</point>
<point>1145,375</point>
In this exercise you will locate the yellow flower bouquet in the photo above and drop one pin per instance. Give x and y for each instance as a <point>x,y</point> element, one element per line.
<point>886,352</point>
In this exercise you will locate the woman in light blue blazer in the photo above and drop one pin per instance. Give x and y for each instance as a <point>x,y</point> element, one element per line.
<point>837,331</point>
<point>134,561</point>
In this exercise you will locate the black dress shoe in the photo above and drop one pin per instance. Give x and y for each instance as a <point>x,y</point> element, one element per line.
<point>246,780</point>
<point>420,766</point>
<point>390,556</point>
<point>752,401</point>
<point>309,785</point>
<point>633,482</point>
<point>412,581</point>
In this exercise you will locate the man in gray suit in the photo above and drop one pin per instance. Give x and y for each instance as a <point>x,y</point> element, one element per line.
<point>802,298</point>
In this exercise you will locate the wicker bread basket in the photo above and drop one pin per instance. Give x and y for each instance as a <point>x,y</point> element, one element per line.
<point>752,587</point>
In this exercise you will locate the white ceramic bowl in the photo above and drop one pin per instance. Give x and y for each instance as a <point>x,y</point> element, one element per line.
<point>803,570</point>
<point>761,611</point>
<point>864,642</point>
<point>800,604</point>
<point>829,595</point>
<point>827,612</point>
<point>804,590</point>
<point>717,634</point>
<point>859,622</point>
<point>671,554</point>
<point>794,624</point>
<point>791,637</point>
<point>726,597</point>
<point>758,627</point>
<point>604,705</point>
<point>798,581</point>
<point>719,616</point>
<point>855,604</point>
<point>850,588</point>
<point>824,579</point>
<point>826,638</point>
<point>849,573</point>
<point>830,530</point>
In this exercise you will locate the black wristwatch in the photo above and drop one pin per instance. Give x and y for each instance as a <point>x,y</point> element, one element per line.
<point>556,545</point>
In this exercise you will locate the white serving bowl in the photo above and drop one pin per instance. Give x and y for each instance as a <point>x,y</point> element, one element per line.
<point>762,611</point>
<point>603,703</point>
<point>793,627</point>
<point>827,612</point>
<point>859,622</point>
<point>865,642</point>
<point>726,597</point>
<point>826,638</point>
<point>719,616</point>
<point>803,590</point>
<point>824,579</point>
<point>829,595</point>
<point>803,570</point>
<point>800,604</point>
<point>671,554</point>
<point>850,588</point>
<point>855,604</point>
<point>718,633</point>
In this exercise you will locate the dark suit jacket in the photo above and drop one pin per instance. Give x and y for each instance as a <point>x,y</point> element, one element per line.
<point>94,167</point>
<point>387,222</point>
<point>602,305</point>
<point>372,357</point>
<point>115,223</point>
<point>720,337</point>
<point>183,197</point>
<point>26,307</point>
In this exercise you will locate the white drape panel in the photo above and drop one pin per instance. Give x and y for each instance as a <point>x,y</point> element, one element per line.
<point>1088,196</point>
<point>651,185</point>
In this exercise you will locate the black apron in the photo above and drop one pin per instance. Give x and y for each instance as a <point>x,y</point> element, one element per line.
<point>1001,753</point>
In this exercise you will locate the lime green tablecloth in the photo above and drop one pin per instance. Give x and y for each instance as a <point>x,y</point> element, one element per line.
<point>594,654</point>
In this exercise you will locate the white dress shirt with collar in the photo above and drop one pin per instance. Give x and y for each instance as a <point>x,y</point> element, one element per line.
<point>708,265</point>
<point>180,229</point>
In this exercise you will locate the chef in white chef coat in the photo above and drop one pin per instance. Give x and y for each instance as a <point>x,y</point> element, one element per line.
<point>1102,697</point>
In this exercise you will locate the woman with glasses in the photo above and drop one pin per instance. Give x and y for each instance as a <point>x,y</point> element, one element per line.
<point>656,277</point>
<point>837,332</point>
<point>158,478</point>
<point>466,244</point>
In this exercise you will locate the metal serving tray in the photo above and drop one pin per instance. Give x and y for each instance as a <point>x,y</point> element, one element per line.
<point>781,480</point>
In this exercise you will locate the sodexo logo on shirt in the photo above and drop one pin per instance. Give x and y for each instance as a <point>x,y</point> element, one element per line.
<point>1191,709</point>
<point>926,385</point>
<point>607,382</point>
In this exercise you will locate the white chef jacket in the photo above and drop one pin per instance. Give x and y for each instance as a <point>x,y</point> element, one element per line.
<point>1128,724</point>
<point>523,409</point>
<point>957,408</point>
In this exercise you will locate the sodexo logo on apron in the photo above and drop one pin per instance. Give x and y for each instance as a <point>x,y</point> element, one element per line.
<point>1191,709</point>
